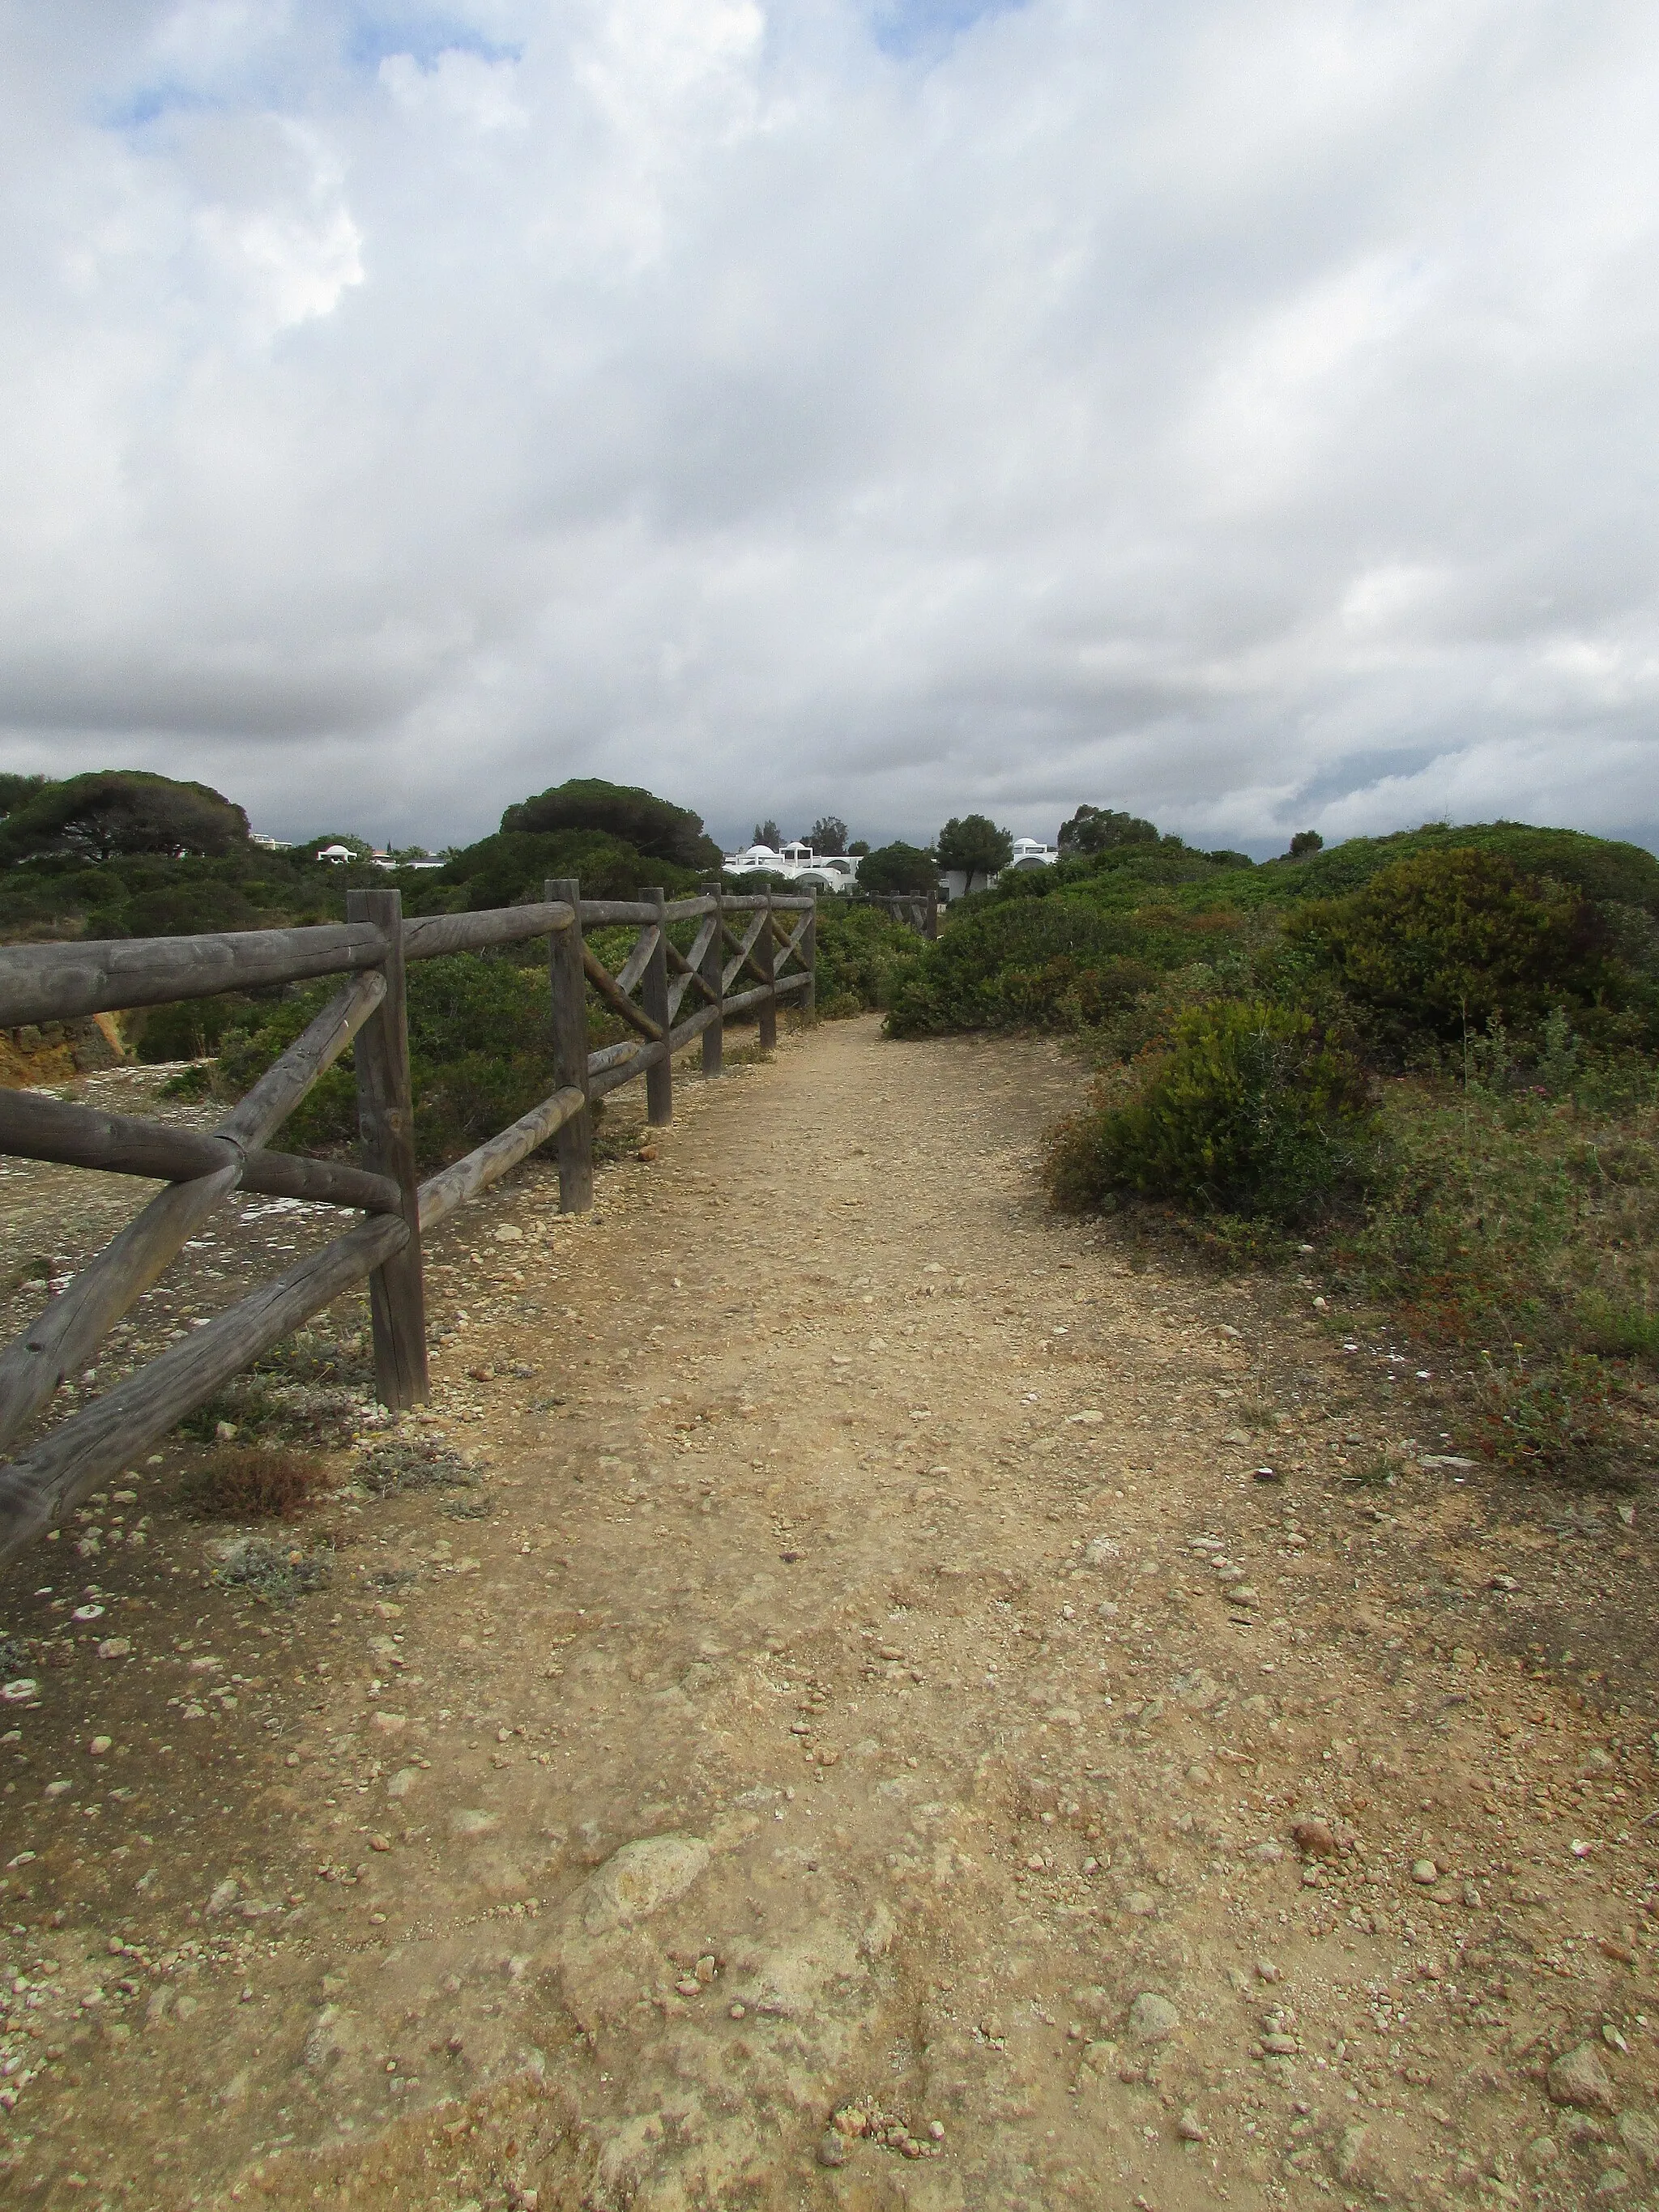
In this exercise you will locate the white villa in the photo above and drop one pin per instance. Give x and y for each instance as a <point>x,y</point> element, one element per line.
<point>800,863</point>
<point>834,872</point>
<point>1028,853</point>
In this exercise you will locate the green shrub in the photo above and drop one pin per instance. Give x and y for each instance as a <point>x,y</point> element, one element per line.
<point>899,870</point>
<point>480,1054</point>
<point>1061,962</point>
<point>864,953</point>
<point>1252,1112</point>
<point>1449,942</point>
<point>190,1028</point>
<point>1501,1219</point>
<point>511,868</point>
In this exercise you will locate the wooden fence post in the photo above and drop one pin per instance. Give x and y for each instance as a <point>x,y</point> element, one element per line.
<point>767,947</point>
<point>809,945</point>
<point>386,1125</point>
<point>574,1142</point>
<point>714,969</point>
<point>654,997</point>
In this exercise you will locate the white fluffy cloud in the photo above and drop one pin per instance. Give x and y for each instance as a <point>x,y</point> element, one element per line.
<point>1241,411</point>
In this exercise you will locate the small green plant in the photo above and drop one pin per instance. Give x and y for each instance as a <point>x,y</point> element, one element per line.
<point>274,1572</point>
<point>1556,1417</point>
<point>1375,1472</point>
<point>1618,1331</point>
<point>1252,1112</point>
<point>397,1466</point>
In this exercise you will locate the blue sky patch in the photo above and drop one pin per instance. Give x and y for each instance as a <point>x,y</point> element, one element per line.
<point>148,103</point>
<point>915,27</point>
<point>424,34</point>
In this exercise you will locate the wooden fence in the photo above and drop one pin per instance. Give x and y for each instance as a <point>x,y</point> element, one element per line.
<point>919,909</point>
<point>767,942</point>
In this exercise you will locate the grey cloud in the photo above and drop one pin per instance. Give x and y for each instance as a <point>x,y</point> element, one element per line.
<point>1242,414</point>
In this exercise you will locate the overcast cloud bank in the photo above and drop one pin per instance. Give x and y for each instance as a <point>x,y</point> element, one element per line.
<point>1244,414</point>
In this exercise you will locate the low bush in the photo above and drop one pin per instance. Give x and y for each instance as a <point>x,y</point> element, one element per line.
<point>1522,1227</point>
<point>255,1483</point>
<point>1496,1219</point>
<point>1010,963</point>
<point>1449,942</point>
<point>1555,1417</point>
<point>275,1572</point>
<point>480,1051</point>
<point>864,956</point>
<point>192,1028</point>
<point>1252,1112</point>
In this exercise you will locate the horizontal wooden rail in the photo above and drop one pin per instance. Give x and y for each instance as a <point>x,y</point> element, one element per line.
<point>429,936</point>
<point>202,1169</point>
<point>79,1137</point>
<point>60,982</point>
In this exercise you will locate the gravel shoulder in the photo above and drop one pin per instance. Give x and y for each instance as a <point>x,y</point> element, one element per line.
<point>852,1729</point>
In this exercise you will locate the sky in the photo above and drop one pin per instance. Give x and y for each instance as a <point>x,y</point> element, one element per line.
<point>1239,412</point>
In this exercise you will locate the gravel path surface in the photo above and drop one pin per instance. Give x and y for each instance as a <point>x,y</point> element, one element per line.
<point>847,1726</point>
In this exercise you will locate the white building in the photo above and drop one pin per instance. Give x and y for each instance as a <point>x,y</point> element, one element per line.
<point>799,863</point>
<point>1028,853</point>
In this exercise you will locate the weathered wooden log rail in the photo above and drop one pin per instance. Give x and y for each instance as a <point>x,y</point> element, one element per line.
<point>768,944</point>
<point>919,909</point>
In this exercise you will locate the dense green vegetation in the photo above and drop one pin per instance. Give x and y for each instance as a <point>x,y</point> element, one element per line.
<point>1435,1054</point>
<point>480,1054</point>
<point>122,855</point>
<point>650,825</point>
<point>117,855</point>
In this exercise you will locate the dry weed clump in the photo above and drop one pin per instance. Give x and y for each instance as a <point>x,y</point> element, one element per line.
<point>256,1483</point>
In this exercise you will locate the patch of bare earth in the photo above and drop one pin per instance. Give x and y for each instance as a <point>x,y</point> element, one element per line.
<point>858,1733</point>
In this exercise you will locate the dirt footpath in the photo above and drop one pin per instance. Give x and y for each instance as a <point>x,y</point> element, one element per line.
<point>865,1737</point>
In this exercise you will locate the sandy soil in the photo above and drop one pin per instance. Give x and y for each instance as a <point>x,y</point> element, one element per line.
<point>865,1736</point>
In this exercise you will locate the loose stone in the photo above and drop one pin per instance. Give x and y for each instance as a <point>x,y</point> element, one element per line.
<point>1578,2079</point>
<point>1315,1840</point>
<point>1153,2018</point>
